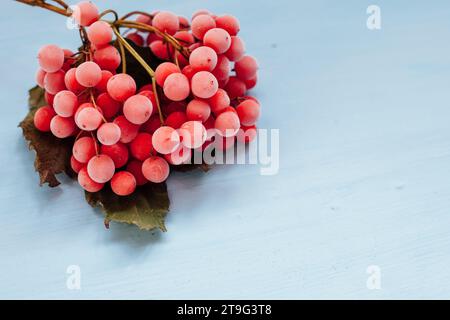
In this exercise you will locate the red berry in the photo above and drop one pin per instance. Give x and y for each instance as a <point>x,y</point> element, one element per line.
<point>123,183</point>
<point>42,118</point>
<point>117,152</point>
<point>141,147</point>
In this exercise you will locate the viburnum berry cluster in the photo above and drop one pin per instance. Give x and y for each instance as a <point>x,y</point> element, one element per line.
<point>128,135</point>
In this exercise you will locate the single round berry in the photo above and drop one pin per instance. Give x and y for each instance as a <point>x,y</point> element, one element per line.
<point>176,87</point>
<point>218,39</point>
<point>121,86</point>
<point>43,117</point>
<point>165,140</point>
<point>109,106</point>
<point>117,152</point>
<point>65,103</point>
<point>204,85</point>
<point>87,183</point>
<point>84,149</point>
<point>203,59</point>
<point>51,58</point>
<point>198,110</point>
<point>228,23</point>
<point>235,88</point>
<point>100,33</point>
<point>62,127</point>
<point>141,147</point>
<point>155,169</point>
<point>219,101</point>
<point>227,124</point>
<point>88,119</point>
<point>137,109</point>
<point>166,22</point>
<point>236,50</point>
<point>123,183</point>
<point>176,119</point>
<point>101,168</point>
<point>88,74</point>
<point>193,134</point>
<point>246,68</point>
<point>108,133</point>
<point>85,13</point>
<point>248,112</point>
<point>108,58</point>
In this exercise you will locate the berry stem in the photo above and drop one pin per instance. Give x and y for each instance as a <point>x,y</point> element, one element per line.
<point>104,13</point>
<point>175,58</point>
<point>143,27</point>
<point>62,4</point>
<point>43,4</point>
<point>95,143</point>
<point>117,22</point>
<point>124,59</point>
<point>144,65</point>
<point>78,135</point>
<point>155,91</point>
<point>134,53</point>
<point>91,93</point>
<point>132,13</point>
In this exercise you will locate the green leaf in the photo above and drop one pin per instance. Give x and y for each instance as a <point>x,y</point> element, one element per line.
<point>52,154</point>
<point>146,208</point>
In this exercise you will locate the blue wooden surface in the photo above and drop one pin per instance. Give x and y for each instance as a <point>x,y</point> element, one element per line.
<point>364,177</point>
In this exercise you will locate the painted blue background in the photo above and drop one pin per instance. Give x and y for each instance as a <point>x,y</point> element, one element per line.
<point>364,119</point>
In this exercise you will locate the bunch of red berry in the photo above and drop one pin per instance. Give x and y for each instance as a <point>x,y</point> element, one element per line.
<point>126,135</point>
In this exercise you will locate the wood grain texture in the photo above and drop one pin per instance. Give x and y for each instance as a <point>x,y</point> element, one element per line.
<point>363,180</point>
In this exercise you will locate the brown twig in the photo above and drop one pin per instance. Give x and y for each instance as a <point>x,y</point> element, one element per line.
<point>40,3</point>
